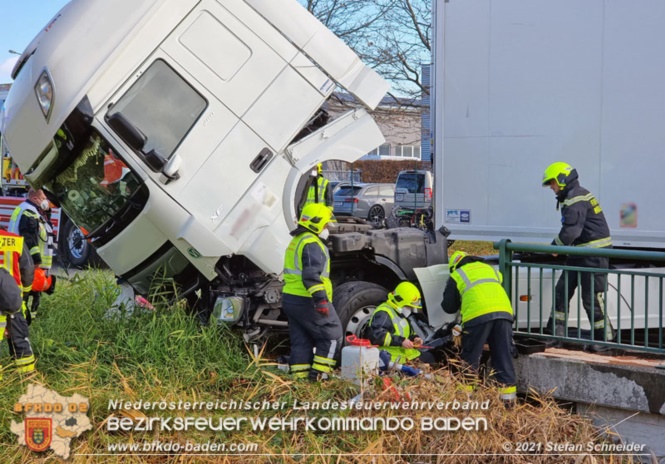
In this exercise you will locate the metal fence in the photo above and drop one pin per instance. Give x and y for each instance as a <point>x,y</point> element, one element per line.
<point>632,299</point>
<point>343,176</point>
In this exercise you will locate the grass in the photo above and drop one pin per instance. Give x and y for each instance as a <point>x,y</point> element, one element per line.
<point>164,356</point>
<point>473,248</point>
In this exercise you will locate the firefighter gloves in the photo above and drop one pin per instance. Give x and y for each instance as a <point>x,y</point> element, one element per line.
<point>322,308</point>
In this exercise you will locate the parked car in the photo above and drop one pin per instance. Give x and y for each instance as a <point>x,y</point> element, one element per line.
<point>413,189</point>
<point>368,201</point>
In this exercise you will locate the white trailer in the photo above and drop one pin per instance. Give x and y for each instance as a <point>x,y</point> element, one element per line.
<point>520,84</point>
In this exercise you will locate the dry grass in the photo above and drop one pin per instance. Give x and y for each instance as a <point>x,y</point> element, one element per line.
<point>473,248</point>
<point>165,357</point>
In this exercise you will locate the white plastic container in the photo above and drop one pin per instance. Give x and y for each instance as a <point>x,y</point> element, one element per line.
<point>360,360</point>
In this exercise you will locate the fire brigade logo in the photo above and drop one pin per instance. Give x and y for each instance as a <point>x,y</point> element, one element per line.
<point>38,433</point>
<point>50,421</point>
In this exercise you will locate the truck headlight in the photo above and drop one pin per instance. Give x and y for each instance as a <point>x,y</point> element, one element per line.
<point>44,92</point>
<point>227,310</point>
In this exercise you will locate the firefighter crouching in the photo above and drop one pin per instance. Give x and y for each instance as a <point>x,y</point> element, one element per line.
<point>16,276</point>
<point>29,220</point>
<point>474,288</point>
<point>390,329</point>
<point>307,297</point>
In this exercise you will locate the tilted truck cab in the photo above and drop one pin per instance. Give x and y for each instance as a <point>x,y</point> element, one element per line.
<point>168,131</point>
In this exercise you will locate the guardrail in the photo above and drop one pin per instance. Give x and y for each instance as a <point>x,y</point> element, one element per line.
<point>633,296</point>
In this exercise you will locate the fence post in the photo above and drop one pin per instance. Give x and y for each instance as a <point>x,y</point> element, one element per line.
<point>505,257</point>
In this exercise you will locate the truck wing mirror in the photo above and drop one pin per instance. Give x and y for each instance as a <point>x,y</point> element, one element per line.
<point>128,132</point>
<point>154,160</point>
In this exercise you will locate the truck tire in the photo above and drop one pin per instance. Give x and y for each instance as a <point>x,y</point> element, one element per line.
<point>355,302</point>
<point>73,248</point>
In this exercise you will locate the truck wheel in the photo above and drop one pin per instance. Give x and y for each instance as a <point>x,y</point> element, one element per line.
<point>355,302</point>
<point>73,247</point>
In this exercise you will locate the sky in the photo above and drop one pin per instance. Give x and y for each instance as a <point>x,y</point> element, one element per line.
<point>20,21</point>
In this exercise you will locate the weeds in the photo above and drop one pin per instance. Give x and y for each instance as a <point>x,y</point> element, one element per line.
<point>164,356</point>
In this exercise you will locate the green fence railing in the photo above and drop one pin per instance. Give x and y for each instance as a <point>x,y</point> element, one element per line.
<point>631,302</point>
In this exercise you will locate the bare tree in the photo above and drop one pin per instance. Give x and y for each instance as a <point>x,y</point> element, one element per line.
<point>393,36</point>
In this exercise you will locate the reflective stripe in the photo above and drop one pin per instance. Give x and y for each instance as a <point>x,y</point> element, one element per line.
<point>46,237</point>
<point>388,340</point>
<point>559,316</point>
<point>293,283</point>
<point>296,257</point>
<point>508,393</point>
<point>476,300</point>
<point>470,285</point>
<point>300,367</point>
<point>326,361</point>
<point>400,324</point>
<point>331,351</point>
<point>572,201</point>
<point>558,241</point>
<point>26,364</point>
<point>600,243</point>
<point>325,364</point>
<point>321,184</point>
<point>315,288</point>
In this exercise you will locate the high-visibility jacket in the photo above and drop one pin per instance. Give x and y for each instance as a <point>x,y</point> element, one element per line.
<point>315,276</point>
<point>14,258</point>
<point>11,247</point>
<point>44,245</point>
<point>481,291</point>
<point>114,170</point>
<point>390,332</point>
<point>317,194</point>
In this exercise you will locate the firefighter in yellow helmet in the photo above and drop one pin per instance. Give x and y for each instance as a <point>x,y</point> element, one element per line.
<point>389,325</point>
<point>474,288</point>
<point>318,189</point>
<point>583,224</point>
<point>307,297</point>
<point>16,276</point>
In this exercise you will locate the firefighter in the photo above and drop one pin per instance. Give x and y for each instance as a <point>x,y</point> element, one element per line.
<point>30,221</point>
<point>318,190</point>
<point>474,288</point>
<point>16,275</point>
<point>390,329</point>
<point>307,297</point>
<point>583,225</point>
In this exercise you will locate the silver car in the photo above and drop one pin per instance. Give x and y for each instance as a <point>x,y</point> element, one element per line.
<point>367,201</point>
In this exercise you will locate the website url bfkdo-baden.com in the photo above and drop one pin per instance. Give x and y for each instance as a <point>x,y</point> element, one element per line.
<point>158,447</point>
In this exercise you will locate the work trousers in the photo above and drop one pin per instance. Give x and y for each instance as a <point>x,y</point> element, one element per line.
<point>19,343</point>
<point>498,334</point>
<point>32,300</point>
<point>593,286</point>
<point>308,330</point>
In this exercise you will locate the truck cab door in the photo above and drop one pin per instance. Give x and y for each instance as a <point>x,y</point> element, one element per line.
<point>220,97</point>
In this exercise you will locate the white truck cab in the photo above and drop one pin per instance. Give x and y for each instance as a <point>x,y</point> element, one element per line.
<point>168,130</point>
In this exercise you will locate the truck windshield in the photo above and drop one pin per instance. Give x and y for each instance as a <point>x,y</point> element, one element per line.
<point>95,185</point>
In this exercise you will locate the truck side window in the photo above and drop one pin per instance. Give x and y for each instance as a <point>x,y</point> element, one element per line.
<point>163,106</point>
